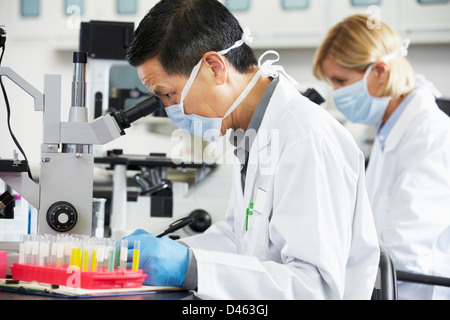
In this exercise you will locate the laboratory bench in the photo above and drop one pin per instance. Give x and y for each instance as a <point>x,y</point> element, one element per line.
<point>181,295</point>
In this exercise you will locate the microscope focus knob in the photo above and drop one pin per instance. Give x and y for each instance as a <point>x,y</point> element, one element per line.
<point>62,216</point>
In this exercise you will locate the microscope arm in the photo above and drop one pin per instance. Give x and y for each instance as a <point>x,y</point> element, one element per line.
<point>66,168</point>
<point>28,88</point>
<point>101,131</point>
<point>20,180</point>
<point>108,127</point>
<point>28,188</point>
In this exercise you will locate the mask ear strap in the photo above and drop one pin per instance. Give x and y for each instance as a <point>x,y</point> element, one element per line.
<point>188,85</point>
<point>403,52</point>
<point>244,94</point>
<point>246,38</point>
<point>368,71</point>
<point>271,70</point>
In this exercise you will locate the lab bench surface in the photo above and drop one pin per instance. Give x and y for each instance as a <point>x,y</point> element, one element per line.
<point>180,295</point>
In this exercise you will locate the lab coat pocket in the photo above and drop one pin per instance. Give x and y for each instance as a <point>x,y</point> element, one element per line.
<point>256,237</point>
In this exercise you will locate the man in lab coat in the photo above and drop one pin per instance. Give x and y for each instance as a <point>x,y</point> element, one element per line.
<point>299,223</point>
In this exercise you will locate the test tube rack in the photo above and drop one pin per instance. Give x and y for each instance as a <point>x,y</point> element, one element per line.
<point>67,276</point>
<point>76,262</point>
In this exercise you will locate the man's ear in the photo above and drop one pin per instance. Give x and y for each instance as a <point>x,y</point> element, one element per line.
<point>217,65</point>
<point>382,71</point>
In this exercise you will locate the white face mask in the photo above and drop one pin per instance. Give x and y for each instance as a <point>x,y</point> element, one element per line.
<point>355,101</point>
<point>210,128</point>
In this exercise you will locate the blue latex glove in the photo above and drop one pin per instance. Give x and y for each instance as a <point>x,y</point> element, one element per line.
<point>163,260</point>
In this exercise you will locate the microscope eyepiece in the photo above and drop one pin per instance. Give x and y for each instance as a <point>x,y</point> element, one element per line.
<point>80,57</point>
<point>79,79</point>
<point>314,96</point>
<point>2,35</point>
<point>143,109</point>
<point>125,118</point>
<point>5,200</point>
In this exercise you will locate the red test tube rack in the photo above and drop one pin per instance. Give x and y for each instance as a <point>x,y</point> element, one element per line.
<point>74,261</point>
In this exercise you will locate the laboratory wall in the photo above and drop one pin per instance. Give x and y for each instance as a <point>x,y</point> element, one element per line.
<point>42,34</point>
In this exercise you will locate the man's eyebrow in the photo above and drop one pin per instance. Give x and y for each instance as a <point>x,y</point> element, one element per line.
<point>157,90</point>
<point>154,91</point>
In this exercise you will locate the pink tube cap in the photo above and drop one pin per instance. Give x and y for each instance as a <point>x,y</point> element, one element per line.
<point>3,264</point>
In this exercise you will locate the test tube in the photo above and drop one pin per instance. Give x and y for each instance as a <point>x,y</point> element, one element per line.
<point>111,251</point>
<point>117,257</point>
<point>44,250</point>
<point>35,251</point>
<point>106,253</point>
<point>89,251</point>
<point>123,254</point>
<point>94,257</point>
<point>22,249</point>
<point>67,251</point>
<point>100,256</point>
<point>59,253</point>
<point>50,259</point>
<point>76,256</point>
<point>53,252</point>
<point>85,257</point>
<point>28,247</point>
<point>136,255</point>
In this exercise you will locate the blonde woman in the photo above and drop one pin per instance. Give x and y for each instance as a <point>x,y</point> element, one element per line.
<point>408,178</point>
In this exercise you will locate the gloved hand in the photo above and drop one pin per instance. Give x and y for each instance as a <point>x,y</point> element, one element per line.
<point>163,260</point>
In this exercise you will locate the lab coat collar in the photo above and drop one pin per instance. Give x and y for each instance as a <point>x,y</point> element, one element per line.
<point>281,96</point>
<point>385,129</point>
<point>283,93</point>
<point>422,99</point>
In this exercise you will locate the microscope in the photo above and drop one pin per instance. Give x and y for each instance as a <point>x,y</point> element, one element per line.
<point>7,204</point>
<point>64,193</point>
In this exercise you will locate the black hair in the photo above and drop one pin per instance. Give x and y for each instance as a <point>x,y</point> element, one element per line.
<point>180,32</point>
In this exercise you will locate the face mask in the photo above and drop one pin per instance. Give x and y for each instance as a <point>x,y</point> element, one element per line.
<point>358,106</point>
<point>355,101</point>
<point>208,128</point>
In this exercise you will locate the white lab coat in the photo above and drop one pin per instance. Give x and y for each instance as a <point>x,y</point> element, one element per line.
<point>312,234</point>
<point>409,189</point>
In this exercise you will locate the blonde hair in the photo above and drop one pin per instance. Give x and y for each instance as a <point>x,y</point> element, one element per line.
<point>352,44</point>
